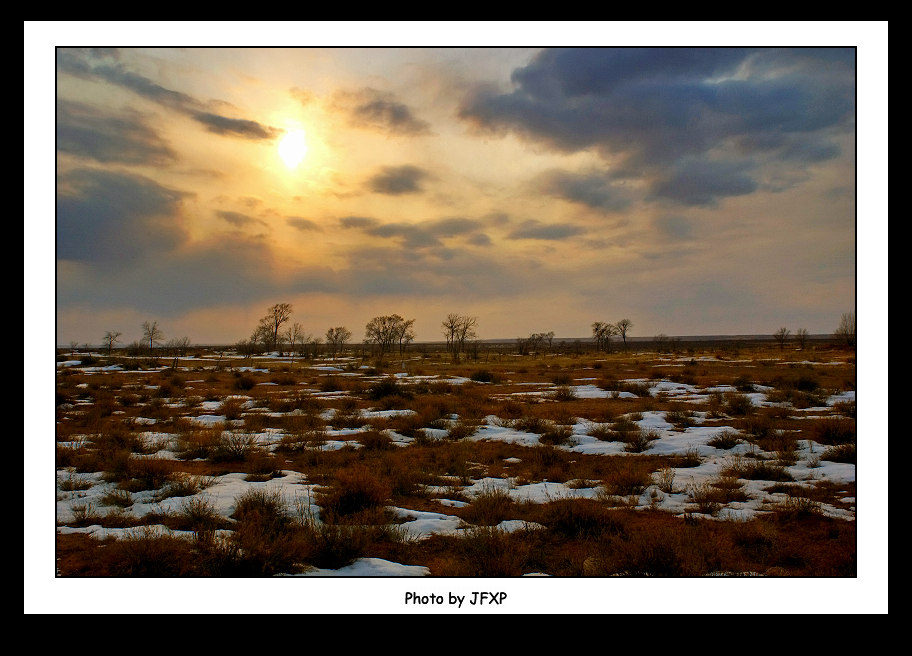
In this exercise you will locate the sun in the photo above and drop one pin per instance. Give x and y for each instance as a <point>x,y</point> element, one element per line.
<point>293,148</point>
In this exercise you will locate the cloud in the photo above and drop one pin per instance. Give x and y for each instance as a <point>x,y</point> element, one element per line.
<point>424,234</point>
<point>379,110</point>
<point>647,109</point>
<point>593,189</point>
<point>398,180</point>
<point>412,236</point>
<point>231,270</point>
<point>79,62</point>
<point>439,274</point>
<point>303,96</point>
<point>357,222</point>
<point>702,182</point>
<point>303,225</point>
<point>238,219</point>
<point>575,72</point>
<point>676,227</point>
<point>533,229</point>
<point>235,126</point>
<point>110,218</point>
<point>107,136</point>
<point>453,226</point>
<point>145,87</point>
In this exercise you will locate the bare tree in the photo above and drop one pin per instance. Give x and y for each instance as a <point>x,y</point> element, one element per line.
<point>801,336</point>
<point>279,346</point>
<point>406,334</point>
<point>110,339</point>
<point>178,345</point>
<point>450,326</point>
<point>336,338</point>
<point>522,346</point>
<point>152,334</point>
<point>549,337</point>
<point>845,332</point>
<point>465,333</point>
<point>275,318</point>
<point>603,332</point>
<point>458,329</point>
<point>293,335</point>
<point>623,327</point>
<point>312,346</point>
<point>262,334</point>
<point>384,331</point>
<point>246,347</point>
<point>781,336</point>
<point>534,343</point>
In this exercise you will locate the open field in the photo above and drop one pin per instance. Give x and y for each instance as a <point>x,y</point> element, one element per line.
<point>702,462</point>
<point>521,329</point>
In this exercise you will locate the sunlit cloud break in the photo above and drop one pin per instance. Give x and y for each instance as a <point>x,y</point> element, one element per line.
<point>694,190</point>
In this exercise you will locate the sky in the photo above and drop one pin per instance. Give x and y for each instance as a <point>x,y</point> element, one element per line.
<point>693,190</point>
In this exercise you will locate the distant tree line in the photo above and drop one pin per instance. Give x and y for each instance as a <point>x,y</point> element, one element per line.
<point>384,334</point>
<point>603,331</point>
<point>152,337</point>
<point>844,333</point>
<point>535,344</point>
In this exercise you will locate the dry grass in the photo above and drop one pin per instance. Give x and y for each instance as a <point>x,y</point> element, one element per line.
<point>832,431</point>
<point>754,469</point>
<point>627,476</point>
<point>104,416</point>
<point>353,494</point>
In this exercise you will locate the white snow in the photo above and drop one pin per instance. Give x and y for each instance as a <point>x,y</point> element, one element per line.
<point>388,578</point>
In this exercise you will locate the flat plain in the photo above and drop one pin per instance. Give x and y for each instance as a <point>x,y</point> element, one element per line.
<point>728,459</point>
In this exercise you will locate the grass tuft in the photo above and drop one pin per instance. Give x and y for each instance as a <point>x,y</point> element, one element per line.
<point>725,439</point>
<point>489,508</point>
<point>354,491</point>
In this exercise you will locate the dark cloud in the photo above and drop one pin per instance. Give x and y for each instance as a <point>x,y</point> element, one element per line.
<point>532,229</point>
<point>574,72</point>
<point>145,87</point>
<point>436,273</point>
<point>647,109</point>
<point>235,126</point>
<point>380,110</point>
<point>453,226</point>
<point>80,63</point>
<point>703,182</point>
<point>108,137</point>
<point>106,218</point>
<point>809,150</point>
<point>497,218</point>
<point>424,234</point>
<point>412,236</point>
<point>594,189</point>
<point>357,222</point>
<point>675,227</point>
<point>75,61</point>
<point>238,219</point>
<point>398,180</point>
<point>303,224</point>
<point>234,269</point>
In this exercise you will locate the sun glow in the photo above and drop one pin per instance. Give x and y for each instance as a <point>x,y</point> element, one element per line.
<point>293,148</point>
